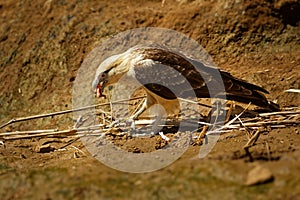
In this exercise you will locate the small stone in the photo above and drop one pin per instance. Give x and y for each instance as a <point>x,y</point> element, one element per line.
<point>46,148</point>
<point>259,175</point>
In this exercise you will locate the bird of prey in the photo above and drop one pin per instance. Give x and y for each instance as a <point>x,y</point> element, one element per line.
<point>158,69</point>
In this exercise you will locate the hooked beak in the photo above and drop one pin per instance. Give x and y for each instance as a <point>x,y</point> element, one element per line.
<point>98,88</point>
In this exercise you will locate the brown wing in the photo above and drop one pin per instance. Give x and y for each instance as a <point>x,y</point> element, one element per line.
<point>168,75</point>
<point>173,75</point>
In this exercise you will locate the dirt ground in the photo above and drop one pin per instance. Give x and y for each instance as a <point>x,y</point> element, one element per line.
<point>42,45</point>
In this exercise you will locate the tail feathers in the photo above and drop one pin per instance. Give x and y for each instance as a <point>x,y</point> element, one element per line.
<point>273,106</point>
<point>239,82</point>
<point>240,90</point>
<point>257,99</point>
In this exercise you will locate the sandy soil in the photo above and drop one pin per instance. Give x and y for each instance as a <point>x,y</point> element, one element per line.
<point>42,45</point>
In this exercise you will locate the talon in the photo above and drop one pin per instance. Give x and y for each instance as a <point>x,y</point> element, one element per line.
<point>132,125</point>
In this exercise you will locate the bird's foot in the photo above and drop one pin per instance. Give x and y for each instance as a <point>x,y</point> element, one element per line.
<point>114,123</point>
<point>144,130</point>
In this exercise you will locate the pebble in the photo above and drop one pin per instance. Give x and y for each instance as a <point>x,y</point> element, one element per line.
<point>259,175</point>
<point>46,148</point>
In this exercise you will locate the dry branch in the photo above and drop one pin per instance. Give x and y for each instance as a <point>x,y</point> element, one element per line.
<point>251,142</point>
<point>293,90</point>
<point>60,133</point>
<point>62,112</point>
<point>272,119</point>
<point>280,113</point>
<point>27,132</point>
<point>195,102</point>
<point>228,123</point>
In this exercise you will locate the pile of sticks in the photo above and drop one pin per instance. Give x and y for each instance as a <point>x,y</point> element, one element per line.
<point>285,118</point>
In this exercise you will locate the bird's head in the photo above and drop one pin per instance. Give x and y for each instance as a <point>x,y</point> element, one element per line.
<point>110,71</point>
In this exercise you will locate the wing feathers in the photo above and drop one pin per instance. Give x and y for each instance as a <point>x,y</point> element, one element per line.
<point>172,75</point>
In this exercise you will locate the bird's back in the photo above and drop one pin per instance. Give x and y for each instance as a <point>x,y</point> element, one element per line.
<point>205,81</point>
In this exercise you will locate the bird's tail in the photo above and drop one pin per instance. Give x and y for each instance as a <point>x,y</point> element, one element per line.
<point>257,99</point>
<point>240,90</point>
<point>273,106</point>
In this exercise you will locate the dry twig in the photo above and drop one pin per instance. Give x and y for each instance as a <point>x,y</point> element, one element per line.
<point>251,142</point>
<point>273,120</point>
<point>62,112</point>
<point>48,134</point>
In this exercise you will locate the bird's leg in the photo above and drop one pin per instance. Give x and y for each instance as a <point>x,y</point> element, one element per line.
<point>213,118</point>
<point>159,113</point>
<point>156,109</point>
<point>203,132</point>
<point>215,113</point>
<point>142,109</point>
<point>230,110</point>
